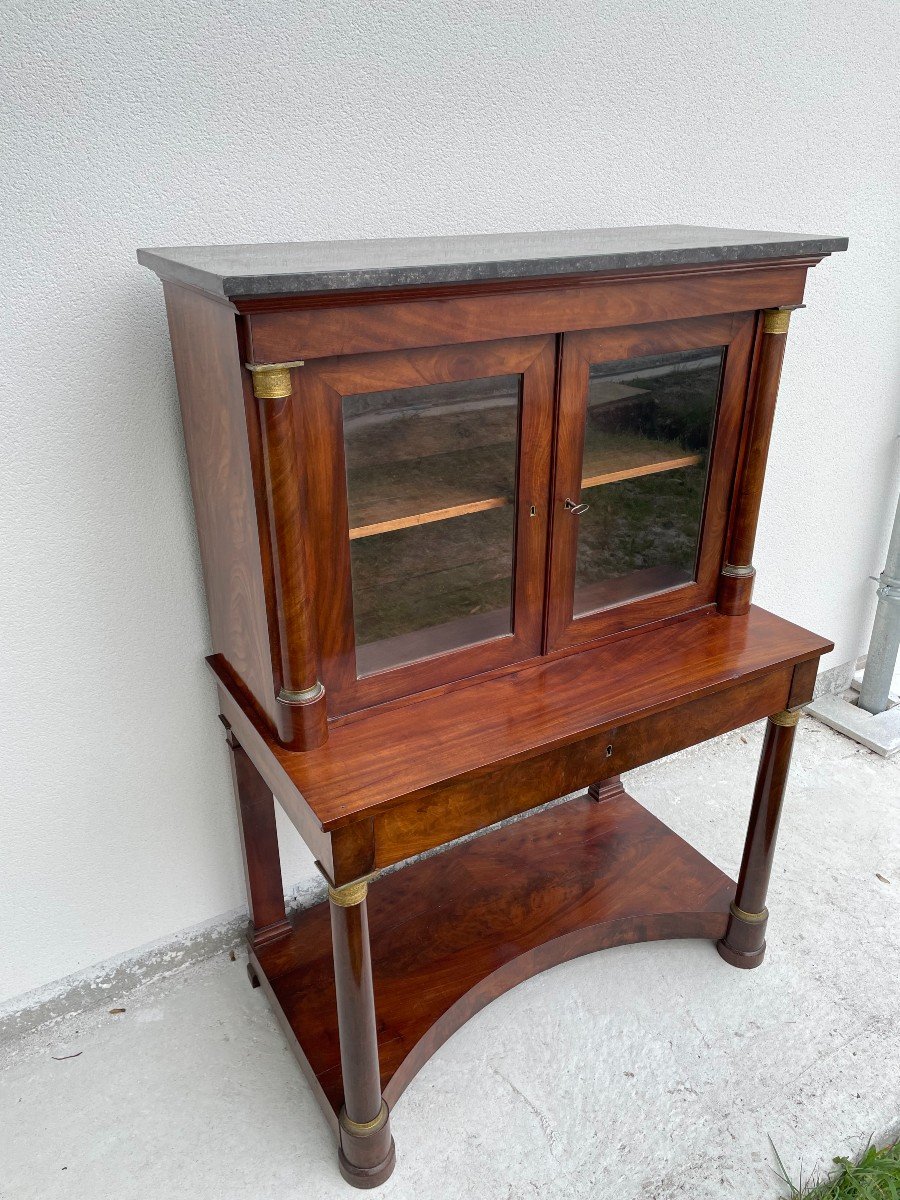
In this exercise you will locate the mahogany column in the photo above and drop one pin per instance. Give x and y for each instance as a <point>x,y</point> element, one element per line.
<point>738,572</point>
<point>366,1154</point>
<point>744,943</point>
<point>301,698</point>
<point>259,841</point>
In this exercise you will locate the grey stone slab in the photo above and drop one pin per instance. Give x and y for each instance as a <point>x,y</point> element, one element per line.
<point>298,267</point>
<point>880,731</point>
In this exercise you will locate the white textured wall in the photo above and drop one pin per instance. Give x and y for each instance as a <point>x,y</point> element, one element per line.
<point>204,121</point>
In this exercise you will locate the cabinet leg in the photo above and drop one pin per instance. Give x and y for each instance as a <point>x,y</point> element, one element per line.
<point>259,842</point>
<point>744,943</point>
<point>366,1151</point>
<point>606,789</point>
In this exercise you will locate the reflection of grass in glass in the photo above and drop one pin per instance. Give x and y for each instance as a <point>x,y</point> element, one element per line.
<point>640,523</point>
<point>678,407</point>
<point>424,576</point>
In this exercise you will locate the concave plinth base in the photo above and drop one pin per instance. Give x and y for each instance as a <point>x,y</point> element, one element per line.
<point>451,933</point>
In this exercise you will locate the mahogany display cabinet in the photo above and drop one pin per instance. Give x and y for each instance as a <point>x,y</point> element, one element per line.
<point>476,518</point>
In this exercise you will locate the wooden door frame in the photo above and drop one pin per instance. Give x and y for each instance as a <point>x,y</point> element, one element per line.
<point>734,331</point>
<point>320,452</point>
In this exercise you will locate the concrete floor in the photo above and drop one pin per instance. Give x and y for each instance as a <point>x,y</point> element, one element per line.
<point>652,1071</point>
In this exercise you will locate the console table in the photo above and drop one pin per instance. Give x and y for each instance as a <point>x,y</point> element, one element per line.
<point>476,517</point>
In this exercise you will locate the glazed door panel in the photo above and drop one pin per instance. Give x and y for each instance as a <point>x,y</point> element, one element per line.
<point>648,427</point>
<point>428,499</point>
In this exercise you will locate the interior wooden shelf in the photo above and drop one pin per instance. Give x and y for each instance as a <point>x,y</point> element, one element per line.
<point>454,931</point>
<point>655,467</point>
<point>442,486</point>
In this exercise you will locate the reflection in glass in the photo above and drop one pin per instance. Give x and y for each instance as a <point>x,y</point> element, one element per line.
<point>431,485</point>
<point>646,449</point>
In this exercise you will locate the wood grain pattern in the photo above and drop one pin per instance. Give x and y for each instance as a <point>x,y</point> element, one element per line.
<point>285,334</point>
<point>735,594</point>
<point>535,708</point>
<point>364,1153</point>
<point>580,350</point>
<point>450,810</point>
<point>456,739</point>
<point>744,943</point>
<point>229,498</point>
<point>321,388</point>
<point>497,288</point>
<point>301,726</point>
<point>259,843</point>
<point>567,881</point>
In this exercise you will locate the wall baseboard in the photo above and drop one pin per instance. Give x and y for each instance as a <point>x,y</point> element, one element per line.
<point>115,978</point>
<point>110,981</point>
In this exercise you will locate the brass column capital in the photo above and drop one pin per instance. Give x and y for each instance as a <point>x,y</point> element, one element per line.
<point>786,718</point>
<point>776,320</point>
<point>272,381</point>
<point>347,895</point>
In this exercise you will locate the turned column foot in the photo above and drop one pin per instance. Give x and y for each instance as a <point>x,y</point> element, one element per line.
<point>366,1155</point>
<point>744,943</point>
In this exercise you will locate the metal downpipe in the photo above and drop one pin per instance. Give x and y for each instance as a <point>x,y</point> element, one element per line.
<point>885,641</point>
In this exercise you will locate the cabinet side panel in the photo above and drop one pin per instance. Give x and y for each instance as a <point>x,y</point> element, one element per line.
<point>214,410</point>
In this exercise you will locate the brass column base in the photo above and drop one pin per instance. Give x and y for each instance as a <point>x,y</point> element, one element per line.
<point>744,943</point>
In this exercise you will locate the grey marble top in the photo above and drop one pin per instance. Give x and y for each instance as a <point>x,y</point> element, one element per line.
<point>296,267</point>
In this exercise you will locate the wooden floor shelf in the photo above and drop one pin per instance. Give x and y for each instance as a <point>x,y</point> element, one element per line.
<point>454,931</point>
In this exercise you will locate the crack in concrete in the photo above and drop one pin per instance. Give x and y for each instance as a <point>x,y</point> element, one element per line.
<point>827,1054</point>
<point>546,1127</point>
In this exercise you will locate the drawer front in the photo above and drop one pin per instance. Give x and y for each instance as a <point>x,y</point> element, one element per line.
<point>453,810</point>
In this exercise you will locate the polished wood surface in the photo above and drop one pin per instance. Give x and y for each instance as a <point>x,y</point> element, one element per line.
<point>321,388</point>
<point>519,713</point>
<point>440,728</point>
<point>497,288</point>
<point>456,807</point>
<point>302,725</point>
<point>322,331</point>
<point>735,592</point>
<point>580,350</point>
<point>221,433</point>
<point>259,843</point>
<point>456,930</point>
<point>367,1152</point>
<point>744,943</point>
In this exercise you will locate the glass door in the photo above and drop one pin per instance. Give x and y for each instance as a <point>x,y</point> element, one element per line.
<point>648,425</point>
<point>428,512</point>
